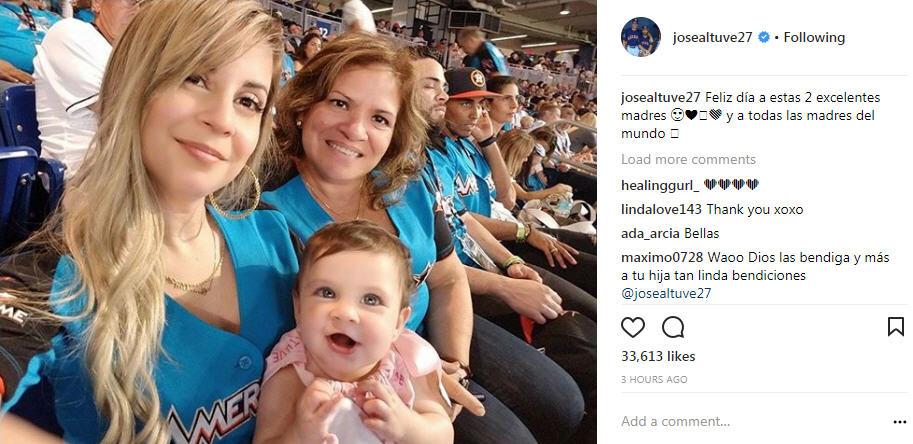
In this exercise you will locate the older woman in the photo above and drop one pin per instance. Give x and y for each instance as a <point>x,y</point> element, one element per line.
<point>138,290</point>
<point>351,127</point>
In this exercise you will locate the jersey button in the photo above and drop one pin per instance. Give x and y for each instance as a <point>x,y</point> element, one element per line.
<point>244,362</point>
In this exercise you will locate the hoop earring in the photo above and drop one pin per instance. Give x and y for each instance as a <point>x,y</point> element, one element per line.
<point>225,214</point>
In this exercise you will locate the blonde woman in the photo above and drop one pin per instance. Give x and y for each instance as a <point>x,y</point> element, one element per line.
<point>516,147</point>
<point>149,311</point>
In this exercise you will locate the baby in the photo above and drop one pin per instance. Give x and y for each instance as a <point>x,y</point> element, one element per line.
<point>349,372</point>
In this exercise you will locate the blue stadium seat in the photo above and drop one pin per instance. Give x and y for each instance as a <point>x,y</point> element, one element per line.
<point>18,166</point>
<point>18,121</point>
<point>46,190</point>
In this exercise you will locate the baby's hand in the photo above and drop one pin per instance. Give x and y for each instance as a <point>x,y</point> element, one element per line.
<point>315,408</point>
<point>385,414</point>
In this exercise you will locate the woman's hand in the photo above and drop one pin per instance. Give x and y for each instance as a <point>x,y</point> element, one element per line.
<point>583,157</point>
<point>453,369</point>
<point>532,299</point>
<point>554,250</point>
<point>461,397</point>
<point>561,188</point>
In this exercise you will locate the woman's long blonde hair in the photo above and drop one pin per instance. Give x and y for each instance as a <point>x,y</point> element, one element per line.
<point>405,157</point>
<point>110,222</point>
<point>516,145</point>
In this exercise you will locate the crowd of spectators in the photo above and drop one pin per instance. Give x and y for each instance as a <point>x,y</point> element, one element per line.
<point>20,44</point>
<point>542,107</point>
<point>534,96</point>
<point>452,54</point>
<point>330,8</point>
<point>543,63</point>
<point>514,127</point>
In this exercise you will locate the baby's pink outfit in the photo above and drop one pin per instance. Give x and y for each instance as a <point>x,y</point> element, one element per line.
<point>410,356</point>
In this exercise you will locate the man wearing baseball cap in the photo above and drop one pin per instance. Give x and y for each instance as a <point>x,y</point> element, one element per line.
<point>481,157</point>
<point>471,143</point>
<point>528,290</point>
<point>481,179</point>
<point>630,39</point>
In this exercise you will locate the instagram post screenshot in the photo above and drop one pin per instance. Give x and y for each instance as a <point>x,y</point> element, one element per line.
<point>388,209</point>
<point>306,221</point>
<point>755,222</point>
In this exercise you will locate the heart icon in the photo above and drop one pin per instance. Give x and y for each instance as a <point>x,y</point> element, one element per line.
<point>738,183</point>
<point>724,183</point>
<point>709,183</point>
<point>715,113</point>
<point>633,326</point>
<point>691,113</point>
<point>752,183</point>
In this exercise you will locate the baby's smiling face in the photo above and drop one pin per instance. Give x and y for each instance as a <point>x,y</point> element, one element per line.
<point>348,312</point>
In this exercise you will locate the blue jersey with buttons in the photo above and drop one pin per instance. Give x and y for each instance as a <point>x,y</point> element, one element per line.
<point>644,42</point>
<point>631,37</point>
<point>472,176</point>
<point>208,379</point>
<point>412,216</point>
<point>17,40</point>
<point>439,172</point>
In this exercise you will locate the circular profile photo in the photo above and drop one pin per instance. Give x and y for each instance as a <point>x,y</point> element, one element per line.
<point>640,37</point>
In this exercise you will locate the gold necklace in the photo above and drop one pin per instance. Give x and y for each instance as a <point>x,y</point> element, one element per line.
<point>323,203</point>
<point>203,287</point>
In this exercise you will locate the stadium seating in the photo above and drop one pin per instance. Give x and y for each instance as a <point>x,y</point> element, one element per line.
<point>46,191</point>
<point>17,173</point>
<point>18,123</point>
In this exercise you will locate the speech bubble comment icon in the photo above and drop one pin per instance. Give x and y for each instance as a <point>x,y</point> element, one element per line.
<point>673,327</point>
